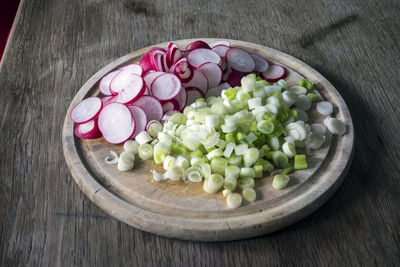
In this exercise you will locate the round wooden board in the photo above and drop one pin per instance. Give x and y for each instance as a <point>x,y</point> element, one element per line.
<point>185,211</point>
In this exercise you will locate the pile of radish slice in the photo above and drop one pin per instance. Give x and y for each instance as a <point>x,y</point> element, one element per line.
<point>164,80</point>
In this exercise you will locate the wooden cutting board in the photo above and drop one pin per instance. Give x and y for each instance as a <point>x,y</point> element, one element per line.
<point>184,210</point>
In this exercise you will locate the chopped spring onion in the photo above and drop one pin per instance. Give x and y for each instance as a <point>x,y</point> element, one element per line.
<point>300,162</point>
<point>126,161</point>
<point>251,138</point>
<point>324,107</point>
<point>254,102</point>
<point>132,146</point>
<point>165,138</point>
<point>145,151</point>
<point>269,90</point>
<point>280,159</point>
<point>226,192</point>
<point>113,159</point>
<point>235,160</point>
<point>230,183</point>
<point>247,172</point>
<point>211,141</point>
<point>313,97</point>
<point>153,127</point>
<point>318,128</point>
<point>213,183</point>
<point>298,90</point>
<point>241,149</point>
<point>218,165</point>
<point>303,102</point>
<point>143,137</point>
<point>280,181</point>
<point>274,143</point>
<point>195,161</point>
<point>289,97</point>
<point>265,127</point>
<point>234,200</point>
<point>315,140</point>
<point>251,156</point>
<point>306,83</point>
<point>288,170</point>
<point>282,83</point>
<point>258,170</point>
<point>216,153</point>
<point>175,172</point>
<point>289,149</point>
<point>246,182</point>
<point>221,143</point>
<point>229,149</point>
<point>206,170</point>
<point>335,126</point>
<point>297,131</point>
<point>248,83</point>
<point>212,121</point>
<point>194,174</point>
<point>168,161</point>
<point>232,171</point>
<point>159,176</point>
<point>228,128</point>
<point>249,194</point>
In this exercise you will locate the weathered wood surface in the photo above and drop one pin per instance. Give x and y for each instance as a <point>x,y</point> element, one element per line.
<point>185,211</point>
<point>57,45</point>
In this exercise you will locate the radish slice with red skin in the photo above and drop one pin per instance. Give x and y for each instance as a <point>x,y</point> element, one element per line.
<point>274,73</point>
<point>122,80</point>
<point>147,91</point>
<point>181,98</point>
<point>157,59</point>
<point>104,85</point>
<point>223,65</point>
<point>88,130</point>
<point>261,63</point>
<point>86,110</point>
<point>235,77</point>
<point>140,119</point>
<point>213,73</point>
<point>145,61</point>
<point>193,93</point>
<point>170,105</point>
<point>216,91</point>
<point>196,45</point>
<point>238,59</point>
<point>221,50</point>
<point>116,123</point>
<point>151,106</point>
<point>222,42</point>
<point>150,76</point>
<point>182,69</point>
<point>113,99</point>
<point>173,54</point>
<point>165,87</point>
<point>199,80</point>
<point>133,68</point>
<point>105,99</point>
<point>132,91</point>
<point>202,55</point>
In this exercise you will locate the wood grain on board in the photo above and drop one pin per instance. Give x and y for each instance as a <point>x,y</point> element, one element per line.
<point>56,46</point>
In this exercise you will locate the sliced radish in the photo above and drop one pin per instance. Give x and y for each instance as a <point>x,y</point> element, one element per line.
<point>150,76</point>
<point>158,60</point>
<point>196,45</point>
<point>182,69</point>
<point>116,123</point>
<point>227,72</point>
<point>202,55</point>
<point>261,63</point>
<point>213,73</point>
<point>151,106</point>
<point>216,91</point>
<point>145,61</point>
<point>105,99</point>
<point>113,99</point>
<point>104,85</point>
<point>170,105</point>
<point>274,73</point>
<point>86,110</point>
<point>165,87</point>
<point>235,78</point>
<point>132,91</point>
<point>223,65</point>
<point>193,93</point>
<point>147,91</point>
<point>238,59</point>
<point>122,80</point>
<point>140,119</point>
<point>181,98</point>
<point>222,42</point>
<point>173,54</point>
<point>133,68</point>
<point>88,130</point>
<point>199,80</point>
<point>221,50</point>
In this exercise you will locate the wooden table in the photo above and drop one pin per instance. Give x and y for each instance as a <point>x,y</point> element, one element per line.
<point>57,45</point>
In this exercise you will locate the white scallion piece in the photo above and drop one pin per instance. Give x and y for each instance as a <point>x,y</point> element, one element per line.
<point>221,143</point>
<point>168,161</point>
<point>282,83</point>
<point>241,149</point>
<point>132,146</point>
<point>206,170</point>
<point>234,200</point>
<point>272,108</point>
<point>289,97</point>
<point>195,161</point>
<point>249,194</point>
<point>153,127</point>
<point>145,151</point>
<point>126,161</point>
<point>246,182</point>
<point>113,159</point>
<point>318,128</point>
<point>232,171</point>
<point>213,183</point>
<point>211,141</point>
<point>289,149</point>
<point>175,172</point>
<point>324,107</point>
<point>298,90</point>
<point>251,156</point>
<point>272,100</point>
<point>229,149</point>
<point>303,102</point>
<point>270,89</point>
<point>335,126</point>
<point>301,115</point>
<point>226,192</point>
<point>159,176</point>
<point>247,172</point>
<point>182,162</point>
<point>280,181</point>
<point>315,140</point>
<point>289,139</point>
<point>280,159</point>
<point>164,138</point>
<point>194,174</point>
<point>228,128</point>
<point>251,137</point>
<point>143,137</point>
<point>273,142</point>
<point>216,153</point>
<point>212,121</point>
<point>254,102</point>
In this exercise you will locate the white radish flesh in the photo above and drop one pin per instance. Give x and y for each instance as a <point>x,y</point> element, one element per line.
<point>199,80</point>
<point>165,87</point>
<point>132,91</point>
<point>193,94</point>
<point>239,60</point>
<point>173,54</point>
<point>261,63</point>
<point>88,130</point>
<point>116,123</point>
<point>104,85</point>
<point>133,68</point>
<point>86,110</point>
<point>181,98</point>
<point>335,126</point>
<point>274,73</point>
<point>213,73</point>
<point>140,119</point>
<point>151,106</point>
<point>216,91</point>
<point>324,107</point>
<point>170,105</point>
<point>221,50</point>
<point>202,55</point>
<point>197,45</point>
<point>122,80</point>
<point>145,61</point>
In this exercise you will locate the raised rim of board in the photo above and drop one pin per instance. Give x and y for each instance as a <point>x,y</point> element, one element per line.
<point>215,229</point>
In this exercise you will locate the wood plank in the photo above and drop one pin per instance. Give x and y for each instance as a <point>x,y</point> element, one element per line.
<point>57,45</point>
